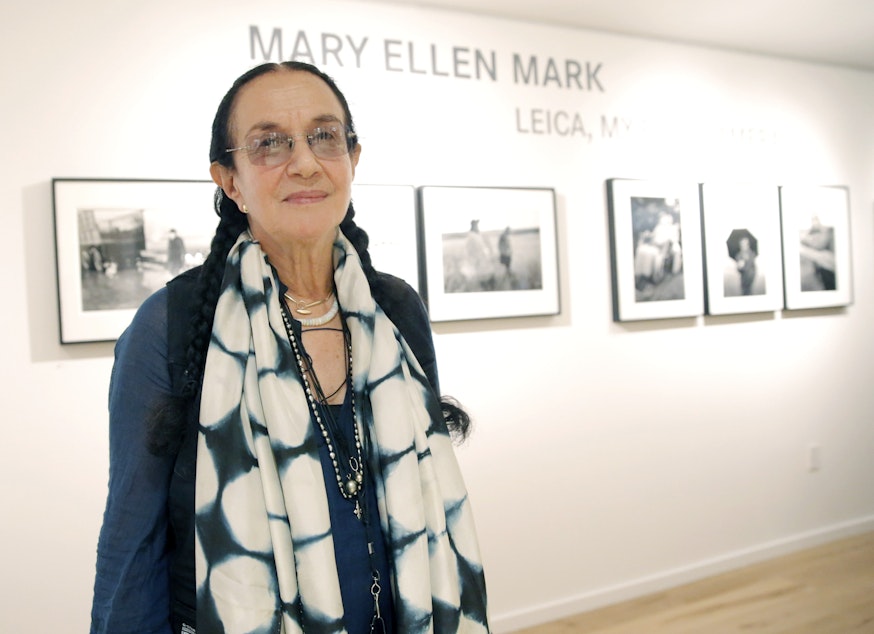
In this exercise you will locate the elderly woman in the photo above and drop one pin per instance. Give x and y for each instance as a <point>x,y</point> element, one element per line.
<point>280,460</point>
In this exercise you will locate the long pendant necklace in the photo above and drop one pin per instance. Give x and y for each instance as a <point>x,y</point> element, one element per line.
<point>352,488</point>
<point>352,482</point>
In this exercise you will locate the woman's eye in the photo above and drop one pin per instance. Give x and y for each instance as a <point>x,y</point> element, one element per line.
<point>267,143</point>
<point>273,141</point>
<point>322,135</point>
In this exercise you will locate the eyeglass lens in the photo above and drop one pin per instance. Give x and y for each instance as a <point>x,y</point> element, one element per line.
<point>274,148</point>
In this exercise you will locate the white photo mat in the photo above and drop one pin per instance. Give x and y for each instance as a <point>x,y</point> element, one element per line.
<point>752,211</point>
<point>103,278</point>
<point>489,252</point>
<point>816,246</point>
<point>655,231</point>
<point>388,214</point>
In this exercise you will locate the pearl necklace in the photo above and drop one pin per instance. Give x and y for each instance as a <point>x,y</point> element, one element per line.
<point>321,321</point>
<point>350,485</point>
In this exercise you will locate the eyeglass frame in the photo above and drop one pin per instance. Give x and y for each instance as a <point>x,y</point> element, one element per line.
<point>350,136</point>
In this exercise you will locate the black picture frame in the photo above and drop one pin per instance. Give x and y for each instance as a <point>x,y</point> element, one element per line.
<point>817,258</point>
<point>118,241</point>
<point>489,252</point>
<point>742,248</point>
<point>656,256</point>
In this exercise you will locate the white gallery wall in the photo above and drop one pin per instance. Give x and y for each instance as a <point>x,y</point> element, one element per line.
<point>608,459</point>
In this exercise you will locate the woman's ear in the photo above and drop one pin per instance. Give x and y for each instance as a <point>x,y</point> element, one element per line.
<point>225,178</point>
<point>354,155</point>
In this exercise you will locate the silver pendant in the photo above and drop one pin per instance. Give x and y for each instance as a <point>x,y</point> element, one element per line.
<point>351,487</point>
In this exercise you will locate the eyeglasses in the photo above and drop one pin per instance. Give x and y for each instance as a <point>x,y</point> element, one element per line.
<point>274,148</point>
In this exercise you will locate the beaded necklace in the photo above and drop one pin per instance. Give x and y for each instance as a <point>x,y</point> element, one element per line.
<point>353,485</point>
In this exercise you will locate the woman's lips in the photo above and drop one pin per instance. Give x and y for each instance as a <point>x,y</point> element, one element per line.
<point>306,197</point>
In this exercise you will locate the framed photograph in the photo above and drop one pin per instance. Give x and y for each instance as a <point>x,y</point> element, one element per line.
<point>489,252</point>
<point>742,248</point>
<point>655,235</point>
<point>816,246</point>
<point>388,214</point>
<point>118,241</point>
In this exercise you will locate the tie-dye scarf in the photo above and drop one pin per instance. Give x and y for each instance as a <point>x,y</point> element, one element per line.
<point>265,554</point>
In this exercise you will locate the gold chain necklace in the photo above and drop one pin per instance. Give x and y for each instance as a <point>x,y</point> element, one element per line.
<point>302,307</point>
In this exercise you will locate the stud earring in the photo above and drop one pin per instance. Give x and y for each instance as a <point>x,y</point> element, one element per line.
<point>245,209</point>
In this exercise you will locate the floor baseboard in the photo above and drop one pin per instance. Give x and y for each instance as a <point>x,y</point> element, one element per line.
<point>642,586</point>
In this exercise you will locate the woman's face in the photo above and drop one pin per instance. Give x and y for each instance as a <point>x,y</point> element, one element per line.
<point>301,201</point>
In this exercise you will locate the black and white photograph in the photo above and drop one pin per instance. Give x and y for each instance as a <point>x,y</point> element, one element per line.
<point>489,252</point>
<point>816,244</point>
<point>480,258</point>
<point>656,249</point>
<point>743,257</point>
<point>117,242</point>
<point>388,214</point>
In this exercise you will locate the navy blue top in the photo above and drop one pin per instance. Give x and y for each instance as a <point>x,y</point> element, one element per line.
<point>351,537</point>
<point>131,590</point>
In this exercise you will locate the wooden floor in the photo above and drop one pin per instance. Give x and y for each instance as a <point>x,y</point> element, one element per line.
<point>825,590</point>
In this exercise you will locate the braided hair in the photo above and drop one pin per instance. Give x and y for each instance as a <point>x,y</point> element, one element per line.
<point>168,420</point>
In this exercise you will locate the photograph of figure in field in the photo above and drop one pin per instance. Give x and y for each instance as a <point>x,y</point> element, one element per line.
<point>658,249</point>
<point>489,252</point>
<point>496,252</point>
<point>128,254</point>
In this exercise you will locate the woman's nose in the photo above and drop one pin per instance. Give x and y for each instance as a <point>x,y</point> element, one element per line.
<point>301,160</point>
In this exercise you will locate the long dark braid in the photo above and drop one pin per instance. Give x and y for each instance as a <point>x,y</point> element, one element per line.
<point>456,418</point>
<point>168,420</point>
<point>231,224</point>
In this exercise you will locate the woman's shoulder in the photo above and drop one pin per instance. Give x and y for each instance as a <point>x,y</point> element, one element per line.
<point>186,281</point>
<point>405,308</point>
<point>149,321</point>
<point>401,302</point>
<point>148,331</point>
<point>390,288</point>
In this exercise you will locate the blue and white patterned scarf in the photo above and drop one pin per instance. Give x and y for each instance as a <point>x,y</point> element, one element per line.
<point>265,555</point>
